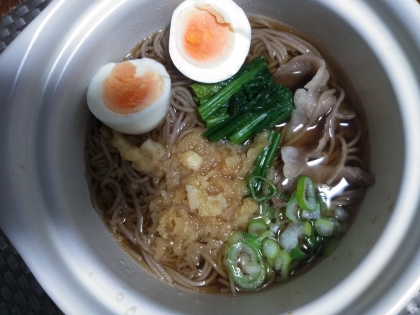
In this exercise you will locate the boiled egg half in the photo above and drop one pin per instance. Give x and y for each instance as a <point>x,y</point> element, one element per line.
<point>209,39</point>
<point>131,97</point>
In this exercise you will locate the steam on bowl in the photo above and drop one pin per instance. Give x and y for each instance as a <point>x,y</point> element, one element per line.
<point>47,209</point>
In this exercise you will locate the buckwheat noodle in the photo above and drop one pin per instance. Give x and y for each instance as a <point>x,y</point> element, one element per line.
<point>112,180</point>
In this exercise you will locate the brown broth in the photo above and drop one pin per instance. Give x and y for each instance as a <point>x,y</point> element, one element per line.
<point>346,128</point>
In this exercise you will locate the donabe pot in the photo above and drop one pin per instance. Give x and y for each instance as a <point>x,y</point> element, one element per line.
<point>46,208</point>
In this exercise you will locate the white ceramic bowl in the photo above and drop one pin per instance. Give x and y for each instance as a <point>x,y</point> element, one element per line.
<point>46,211</point>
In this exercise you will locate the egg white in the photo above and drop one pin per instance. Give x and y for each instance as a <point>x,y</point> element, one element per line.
<point>138,122</point>
<point>225,66</point>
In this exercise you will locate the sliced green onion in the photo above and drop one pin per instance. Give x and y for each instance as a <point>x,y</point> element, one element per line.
<point>305,194</point>
<point>257,226</point>
<point>272,190</point>
<point>246,266</point>
<point>270,248</point>
<point>269,271</point>
<point>306,228</point>
<point>235,237</point>
<point>265,158</point>
<point>252,239</point>
<point>266,234</point>
<point>281,264</point>
<point>289,238</point>
<point>265,209</point>
<point>309,215</point>
<point>274,226</point>
<point>311,241</point>
<point>271,217</point>
<point>266,212</point>
<point>298,253</point>
<point>292,208</point>
<point>324,227</point>
<point>341,215</point>
<point>283,196</point>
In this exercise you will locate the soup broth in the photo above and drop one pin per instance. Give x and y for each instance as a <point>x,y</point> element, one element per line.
<point>176,201</point>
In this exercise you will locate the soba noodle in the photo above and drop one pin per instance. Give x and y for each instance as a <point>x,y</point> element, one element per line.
<point>122,195</point>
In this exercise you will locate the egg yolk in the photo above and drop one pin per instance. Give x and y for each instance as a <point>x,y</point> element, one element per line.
<point>126,93</point>
<point>205,37</point>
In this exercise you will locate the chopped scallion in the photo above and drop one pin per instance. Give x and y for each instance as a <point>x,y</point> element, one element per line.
<point>270,248</point>
<point>298,253</point>
<point>257,226</point>
<point>246,266</point>
<point>305,194</point>
<point>324,227</point>
<point>282,263</point>
<point>292,208</point>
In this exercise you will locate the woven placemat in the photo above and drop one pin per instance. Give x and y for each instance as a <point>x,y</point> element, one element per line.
<point>20,293</point>
<point>13,22</point>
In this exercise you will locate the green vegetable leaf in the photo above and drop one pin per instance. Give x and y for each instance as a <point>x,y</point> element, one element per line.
<point>253,101</point>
